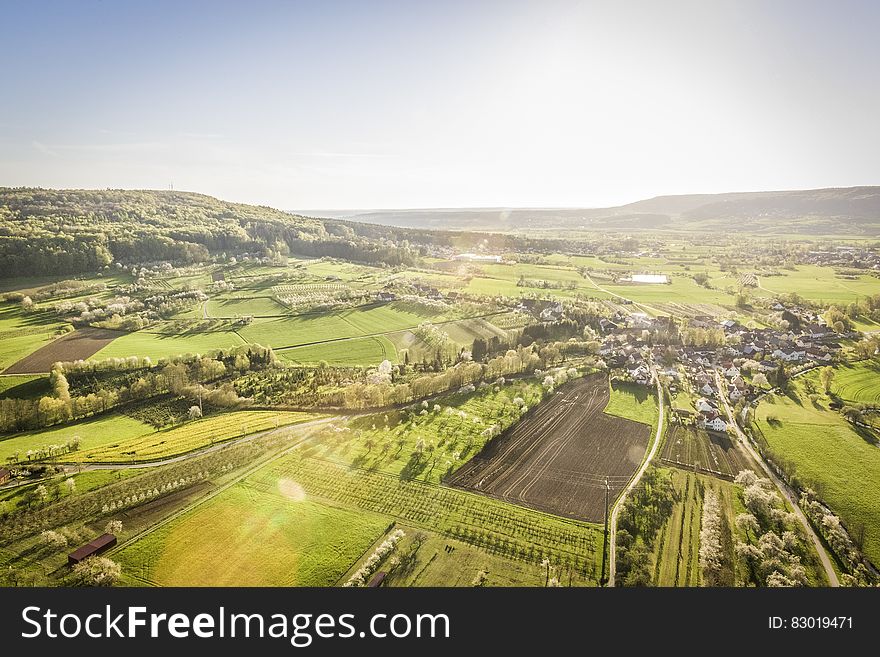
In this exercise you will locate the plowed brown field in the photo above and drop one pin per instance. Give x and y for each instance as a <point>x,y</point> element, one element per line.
<point>81,344</point>
<point>557,458</point>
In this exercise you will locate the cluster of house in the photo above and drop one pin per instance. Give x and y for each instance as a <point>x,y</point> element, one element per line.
<point>696,367</point>
<point>628,358</point>
<point>814,343</point>
<point>624,348</point>
<point>856,257</point>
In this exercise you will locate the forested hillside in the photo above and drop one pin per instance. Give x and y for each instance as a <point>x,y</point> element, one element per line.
<point>73,231</point>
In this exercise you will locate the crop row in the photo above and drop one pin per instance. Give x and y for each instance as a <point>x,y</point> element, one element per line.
<point>516,532</point>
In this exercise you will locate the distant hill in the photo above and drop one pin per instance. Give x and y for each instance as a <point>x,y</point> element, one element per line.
<point>833,211</point>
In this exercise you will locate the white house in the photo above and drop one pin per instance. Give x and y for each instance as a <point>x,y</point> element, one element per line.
<point>712,421</point>
<point>717,425</point>
<point>789,356</point>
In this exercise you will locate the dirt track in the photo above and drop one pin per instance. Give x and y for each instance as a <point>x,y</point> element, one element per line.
<point>556,459</point>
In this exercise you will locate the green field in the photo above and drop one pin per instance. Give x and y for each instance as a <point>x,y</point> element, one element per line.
<point>249,537</point>
<point>633,402</point>
<point>466,331</point>
<point>828,455</point>
<point>23,386</point>
<point>356,351</point>
<point>311,328</point>
<point>85,482</point>
<point>157,344</point>
<point>188,437</point>
<point>819,284</point>
<point>22,334</point>
<point>858,382</point>
<point>255,306</point>
<point>679,290</point>
<point>93,434</point>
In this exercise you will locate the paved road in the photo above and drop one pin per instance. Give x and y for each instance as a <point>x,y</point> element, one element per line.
<point>782,486</point>
<point>612,525</point>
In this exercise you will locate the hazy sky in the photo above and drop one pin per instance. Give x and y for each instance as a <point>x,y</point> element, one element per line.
<point>305,105</point>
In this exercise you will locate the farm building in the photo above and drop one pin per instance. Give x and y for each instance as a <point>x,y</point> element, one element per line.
<point>5,475</point>
<point>376,580</point>
<point>101,544</point>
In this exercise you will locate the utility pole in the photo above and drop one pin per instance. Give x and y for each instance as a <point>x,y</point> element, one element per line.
<point>605,535</point>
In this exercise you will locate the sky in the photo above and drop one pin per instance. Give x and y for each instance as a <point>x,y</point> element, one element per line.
<point>371,104</point>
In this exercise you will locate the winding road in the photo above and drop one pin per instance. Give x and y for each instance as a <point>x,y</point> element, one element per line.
<point>615,512</point>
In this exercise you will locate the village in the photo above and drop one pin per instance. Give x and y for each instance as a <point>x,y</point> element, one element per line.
<point>751,361</point>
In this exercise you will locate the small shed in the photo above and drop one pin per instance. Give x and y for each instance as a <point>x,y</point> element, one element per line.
<point>377,579</point>
<point>101,544</point>
<point>5,475</point>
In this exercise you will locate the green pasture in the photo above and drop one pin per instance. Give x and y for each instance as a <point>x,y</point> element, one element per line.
<point>633,402</point>
<point>156,343</point>
<point>250,537</point>
<point>819,284</point>
<point>92,433</point>
<point>255,306</point>
<point>23,333</point>
<point>858,382</point>
<point>840,461</point>
<point>356,351</point>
